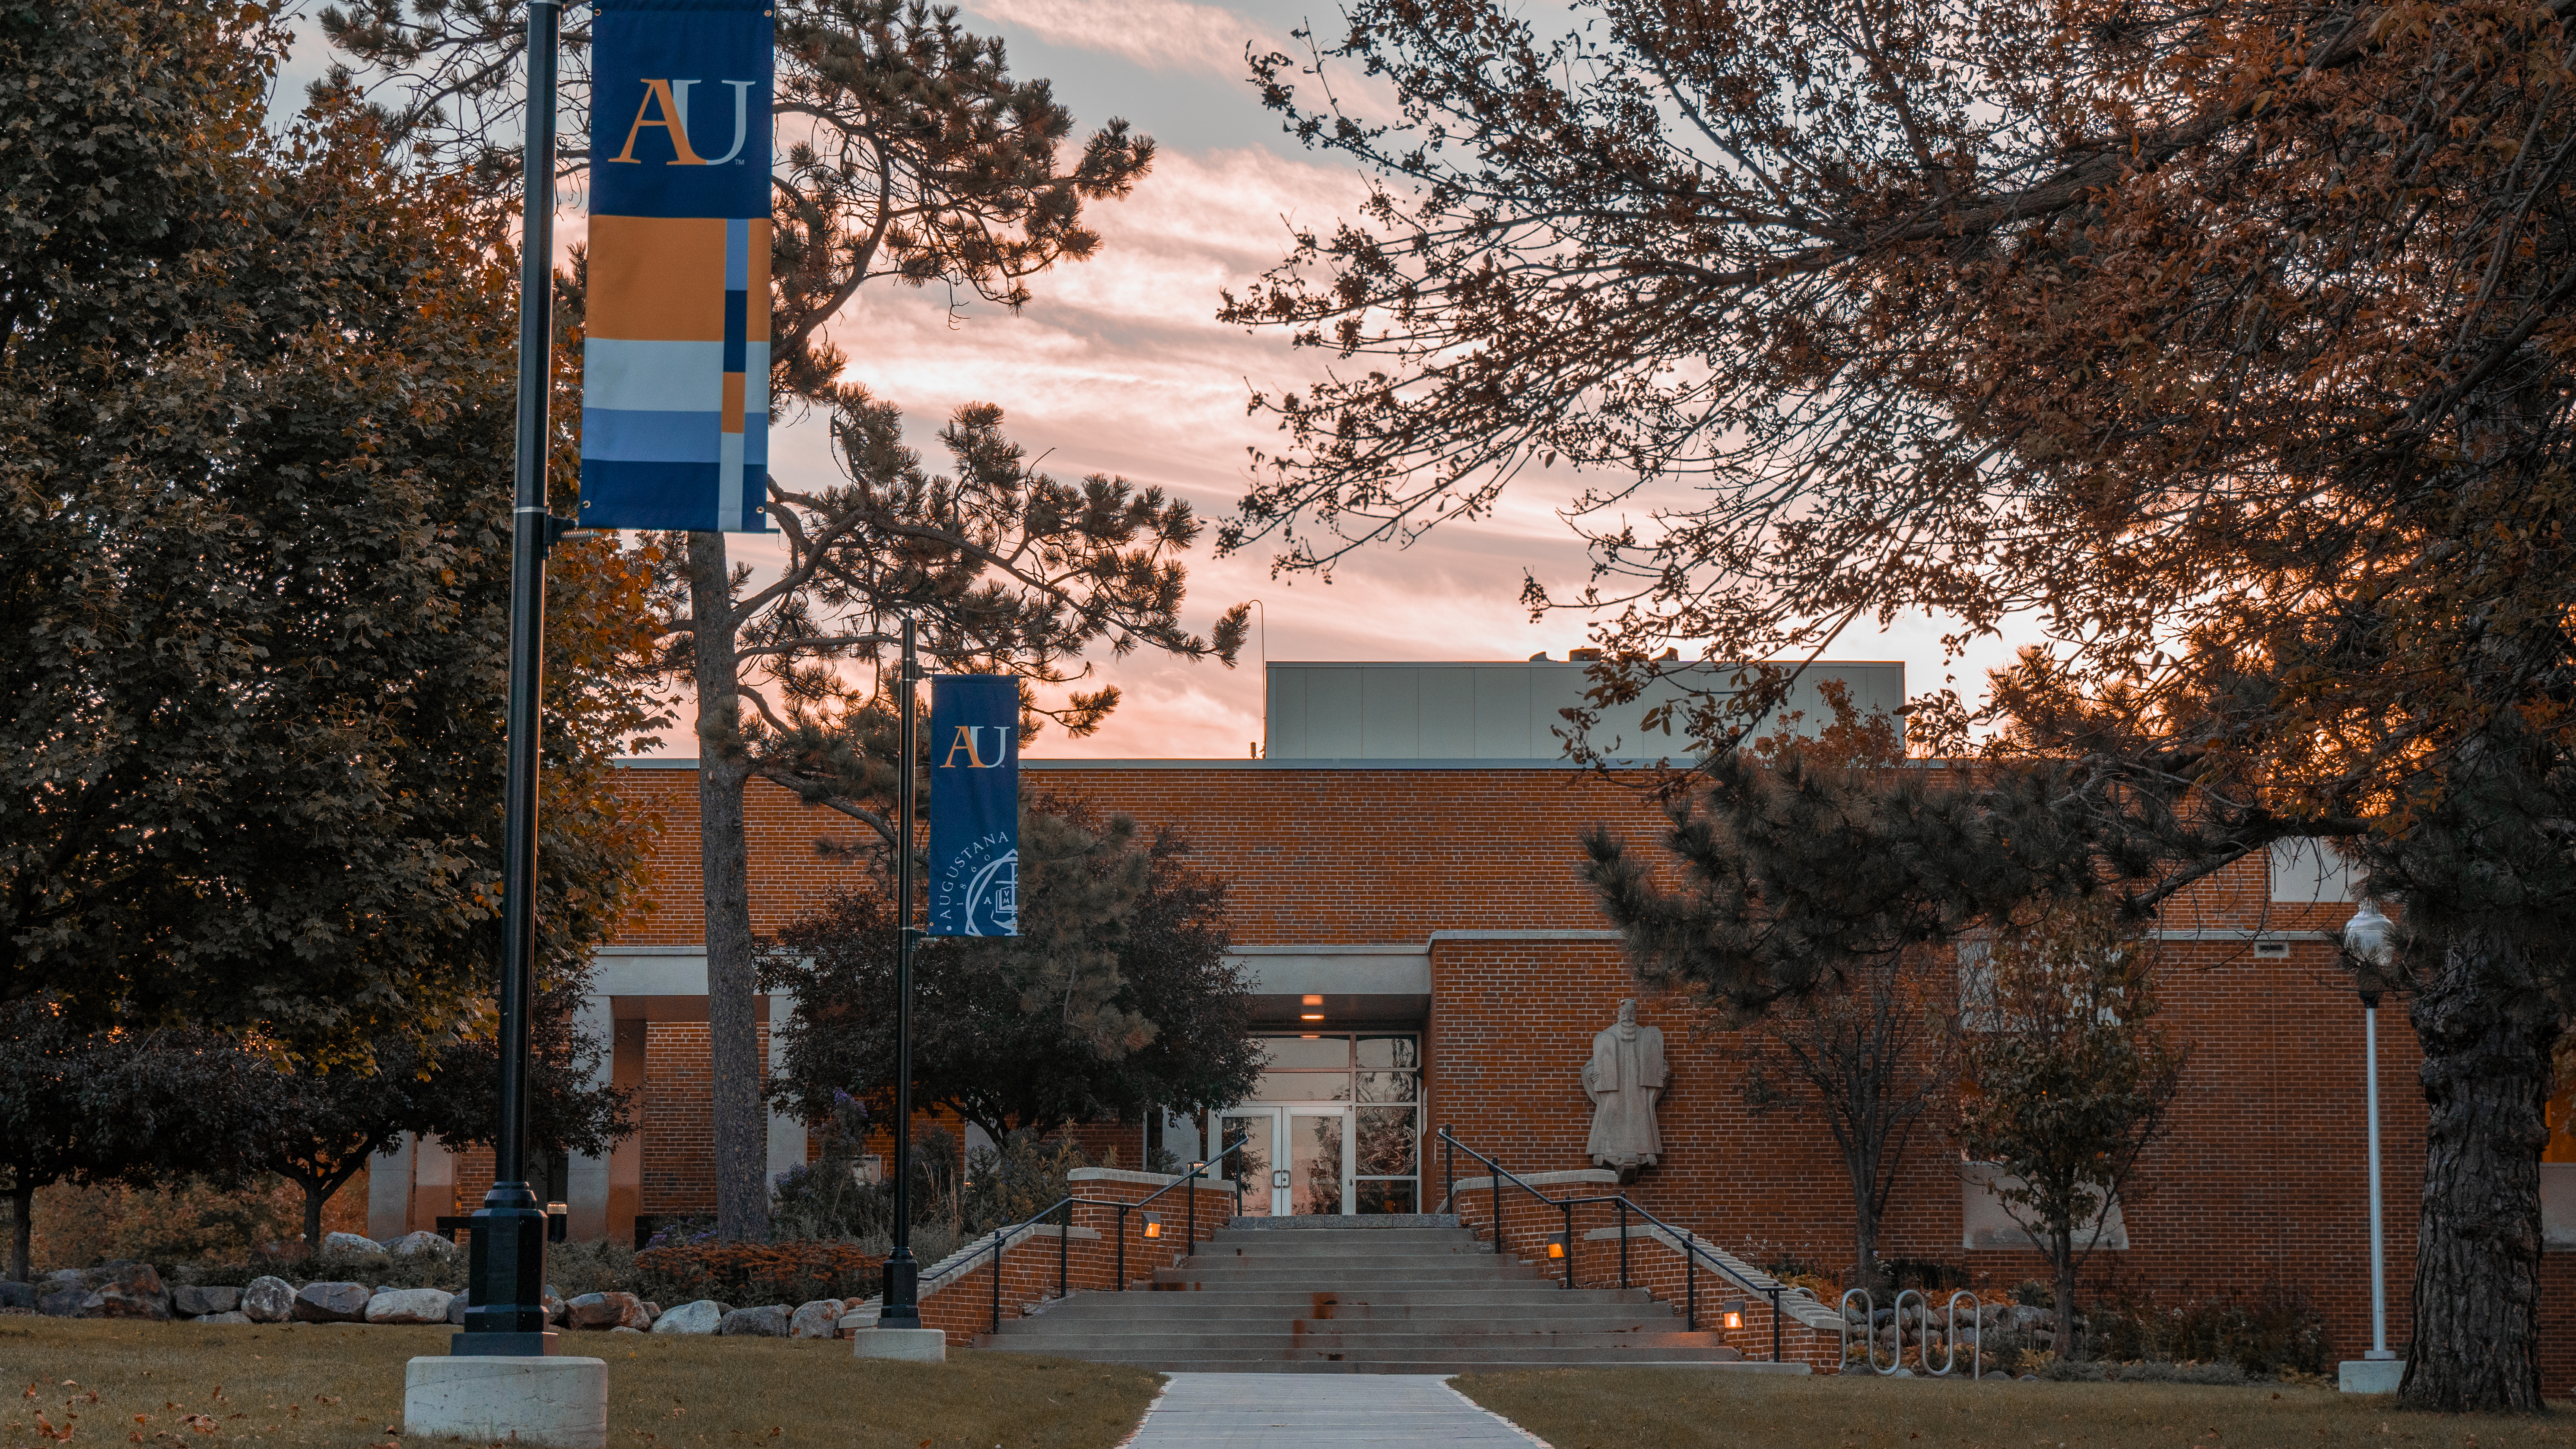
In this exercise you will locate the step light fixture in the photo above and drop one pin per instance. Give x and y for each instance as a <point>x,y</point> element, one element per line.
<point>1735,1314</point>
<point>1153,1225</point>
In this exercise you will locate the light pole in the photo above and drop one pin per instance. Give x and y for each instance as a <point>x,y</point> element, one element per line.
<point>538,1398</point>
<point>903,1274</point>
<point>899,1332</point>
<point>507,1267</point>
<point>2369,943</point>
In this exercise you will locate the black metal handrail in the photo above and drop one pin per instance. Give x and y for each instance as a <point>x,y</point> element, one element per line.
<point>1688,1241</point>
<point>1064,1237</point>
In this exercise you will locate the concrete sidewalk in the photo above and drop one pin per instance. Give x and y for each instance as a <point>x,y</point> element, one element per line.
<point>1319,1411</point>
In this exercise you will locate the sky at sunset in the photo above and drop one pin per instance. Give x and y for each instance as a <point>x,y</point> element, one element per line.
<point>1119,367</point>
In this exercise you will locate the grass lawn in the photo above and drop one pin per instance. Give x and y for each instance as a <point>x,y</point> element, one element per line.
<point>1638,1408</point>
<point>334,1386</point>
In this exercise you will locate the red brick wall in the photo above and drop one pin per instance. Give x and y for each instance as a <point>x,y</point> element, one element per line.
<point>1031,1269</point>
<point>2260,1181</point>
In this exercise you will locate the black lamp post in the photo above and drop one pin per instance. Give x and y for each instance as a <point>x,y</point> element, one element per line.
<point>902,1307</point>
<point>2369,940</point>
<point>506,1277</point>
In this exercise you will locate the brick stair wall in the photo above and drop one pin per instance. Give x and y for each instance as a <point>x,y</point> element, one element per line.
<point>957,1292</point>
<point>1810,1332</point>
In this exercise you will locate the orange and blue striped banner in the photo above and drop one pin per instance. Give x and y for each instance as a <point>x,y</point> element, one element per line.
<point>675,368</point>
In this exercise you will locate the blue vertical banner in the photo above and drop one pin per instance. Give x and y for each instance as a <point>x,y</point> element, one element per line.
<point>675,361</point>
<point>974,805</point>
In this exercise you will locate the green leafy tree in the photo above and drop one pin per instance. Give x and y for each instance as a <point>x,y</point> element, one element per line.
<point>255,432</point>
<point>2065,1083</point>
<point>329,1122</point>
<point>120,1106</point>
<point>1117,999</point>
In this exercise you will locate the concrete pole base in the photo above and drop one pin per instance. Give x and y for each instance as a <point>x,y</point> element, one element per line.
<point>2370,1375</point>
<point>559,1403</point>
<point>917,1345</point>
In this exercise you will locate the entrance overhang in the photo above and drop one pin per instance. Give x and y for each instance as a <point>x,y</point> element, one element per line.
<point>1358,985</point>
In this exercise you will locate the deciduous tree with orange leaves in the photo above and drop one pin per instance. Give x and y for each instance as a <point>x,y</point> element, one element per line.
<point>2224,345</point>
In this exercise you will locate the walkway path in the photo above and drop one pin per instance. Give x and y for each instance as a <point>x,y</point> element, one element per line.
<point>1320,1411</point>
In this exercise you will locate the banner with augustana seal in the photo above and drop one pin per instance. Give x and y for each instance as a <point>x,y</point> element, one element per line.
<point>974,805</point>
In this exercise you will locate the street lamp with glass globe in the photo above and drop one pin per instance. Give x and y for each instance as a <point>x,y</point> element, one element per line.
<point>2370,945</point>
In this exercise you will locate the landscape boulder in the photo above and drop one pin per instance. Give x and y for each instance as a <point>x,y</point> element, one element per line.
<point>409,1305</point>
<point>18,1295</point>
<point>127,1290</point>
<point>554,1307</point>
<point>423,1241</point>
<point>703,1316</point>
<point>190,1301</point>
<point>61,1302</point>
<point>769,1321</point>
<point>332,1303</point>
<point>350,1243</point>
<point>818,1319</point>
<point>268,1300</point>
<point>599,1312</point>
<point>223,1318</point>
<point>456,1310</point>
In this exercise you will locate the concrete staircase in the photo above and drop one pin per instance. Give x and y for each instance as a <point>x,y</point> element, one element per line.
<point>1416,1295</point>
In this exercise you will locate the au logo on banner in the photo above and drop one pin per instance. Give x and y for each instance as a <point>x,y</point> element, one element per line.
<point>675,366</point>
<point>974,805</point>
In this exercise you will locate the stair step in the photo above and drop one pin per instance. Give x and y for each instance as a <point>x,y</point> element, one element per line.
<point>1279,1296</point>
<point>1327,1298</point>
<point>1460,1359</point>
<point>1378,1340</point>
<point>1083,1309</point>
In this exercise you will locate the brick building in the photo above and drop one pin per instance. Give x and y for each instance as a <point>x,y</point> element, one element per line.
<point>1403,891</point>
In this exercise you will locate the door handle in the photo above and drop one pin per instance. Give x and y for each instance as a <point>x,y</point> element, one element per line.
<point>1279,1178</point>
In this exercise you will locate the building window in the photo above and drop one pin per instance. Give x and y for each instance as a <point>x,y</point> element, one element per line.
<point>1986,1222</point>
<point>2558,1172</point>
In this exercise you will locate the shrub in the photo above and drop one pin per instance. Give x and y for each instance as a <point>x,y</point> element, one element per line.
<point>2280,1329</point>
<point>1024,1178</point>
<point>76,1227</point>
<point>1923,1275</point>
<point>595,1265</point>
<point>745,1274</point>
<point>930,1243</point>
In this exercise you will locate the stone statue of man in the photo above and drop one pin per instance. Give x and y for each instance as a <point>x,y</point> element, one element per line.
<point>1623,1079</point>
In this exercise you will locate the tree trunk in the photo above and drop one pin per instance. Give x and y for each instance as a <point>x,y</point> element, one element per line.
<point>733,1030</point>
<point>1861,1166</point>
<point>22,1232</point>
<point>2487,1029</point>
<point>316,1193</point>
<point>2070,1344</point>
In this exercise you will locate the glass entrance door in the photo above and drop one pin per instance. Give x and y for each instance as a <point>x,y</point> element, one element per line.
<point>1252,1134</point>
<point>1334,1127</point>
<point>1317,1154</point>
<point>1292,1161</point>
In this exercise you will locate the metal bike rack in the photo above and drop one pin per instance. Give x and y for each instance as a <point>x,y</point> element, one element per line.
<point>1922,1341</point>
